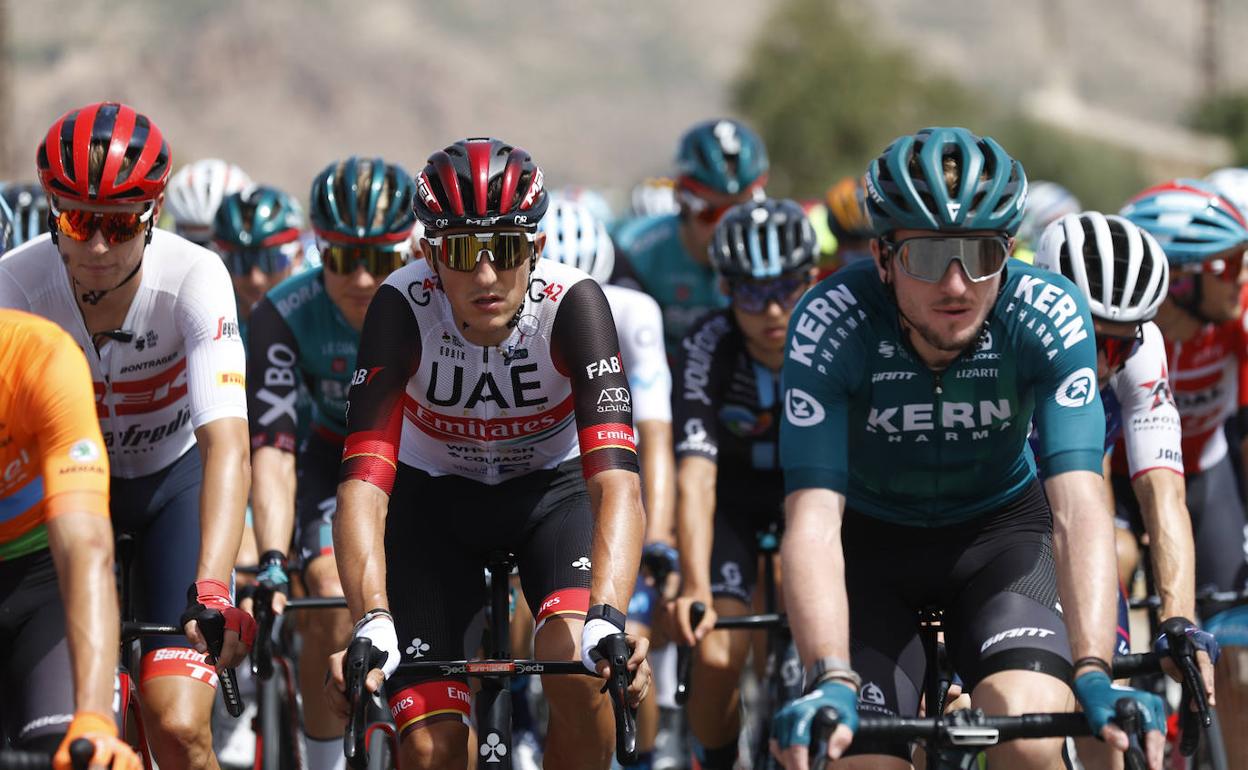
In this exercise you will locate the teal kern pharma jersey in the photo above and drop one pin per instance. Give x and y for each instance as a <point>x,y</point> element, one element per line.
<point>865,417</point>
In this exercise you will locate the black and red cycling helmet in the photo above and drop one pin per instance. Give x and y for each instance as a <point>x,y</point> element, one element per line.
<point>136,158</point>
<point>480,182</point>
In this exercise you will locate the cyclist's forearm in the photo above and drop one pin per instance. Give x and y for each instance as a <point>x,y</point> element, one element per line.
<point>1161,493</point>
<point>360,545</point>
<point>658,471</point>
<point>273,498</point>
<point>1083,548</point>
<point>82,548</point>
<point>619,524</point>
<point>223,446</point>
<point>695,523</point>
<point>814,574</point>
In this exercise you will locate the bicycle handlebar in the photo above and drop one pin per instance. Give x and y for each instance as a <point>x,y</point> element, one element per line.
<point>266,616</point>
<point>969,729</point>
<point>80,753</point>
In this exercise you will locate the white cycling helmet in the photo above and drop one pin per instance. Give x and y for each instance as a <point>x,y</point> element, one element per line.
<point>1119,267</point>
<point>1046,202</point>
<point>574,236</point>
<point>195,193</point>
<point>1232,183</point>
<point>655,197</point>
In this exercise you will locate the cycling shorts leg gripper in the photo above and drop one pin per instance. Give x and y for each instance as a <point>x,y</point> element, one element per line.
<point>316,499</point>
<point>177,661</point>
<point>420,704</point>
<point>1230,627</point>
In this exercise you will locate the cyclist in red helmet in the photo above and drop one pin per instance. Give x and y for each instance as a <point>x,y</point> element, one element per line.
<point>489,410</point>
<point>155,315</point>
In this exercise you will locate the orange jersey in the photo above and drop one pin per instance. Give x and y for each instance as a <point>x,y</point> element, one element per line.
<point>52,458</point>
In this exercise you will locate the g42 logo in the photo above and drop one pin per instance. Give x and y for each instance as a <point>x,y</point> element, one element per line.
<point>550,291</point>
<point>420,291</point>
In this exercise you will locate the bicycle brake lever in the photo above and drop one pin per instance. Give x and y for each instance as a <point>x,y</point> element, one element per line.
<point>684,657</point>
<point>262,650</point>
<point>359,660</point>
<point>821,729</point>
<point>615,650</point>
<point>1128,717</point>
<point>212,626</point>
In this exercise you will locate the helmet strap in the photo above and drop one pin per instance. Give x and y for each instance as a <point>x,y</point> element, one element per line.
<point>94,296</point>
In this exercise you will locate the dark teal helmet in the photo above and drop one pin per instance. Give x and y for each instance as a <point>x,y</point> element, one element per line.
<point>907,186</point>
<point>363,200</point>
<point>261,216</point>
<point>721,156</point>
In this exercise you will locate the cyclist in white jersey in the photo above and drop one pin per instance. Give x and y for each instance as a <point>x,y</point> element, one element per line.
<point>576,236</point>
<point>156,318</point>
<point>1123,272</point>
<point>476,422</point>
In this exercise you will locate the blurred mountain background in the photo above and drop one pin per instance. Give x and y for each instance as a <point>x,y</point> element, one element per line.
<point>1102,95</point>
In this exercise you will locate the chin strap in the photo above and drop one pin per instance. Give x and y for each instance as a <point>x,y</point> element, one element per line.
<point>93,296</point>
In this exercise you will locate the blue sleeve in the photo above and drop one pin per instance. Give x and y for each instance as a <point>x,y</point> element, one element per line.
<point>814,424</point>
<point>1069,415</point>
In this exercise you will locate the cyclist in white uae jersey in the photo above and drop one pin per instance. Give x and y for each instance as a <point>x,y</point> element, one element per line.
<point>155,315</point>
<point>488,383</point>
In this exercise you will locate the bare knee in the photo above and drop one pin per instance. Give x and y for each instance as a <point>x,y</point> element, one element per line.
<point>436,746</point>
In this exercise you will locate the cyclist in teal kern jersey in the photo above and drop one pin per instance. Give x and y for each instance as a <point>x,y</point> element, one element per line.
<point>307,329</point>
<point>932,372</point>
<point>720,163</point>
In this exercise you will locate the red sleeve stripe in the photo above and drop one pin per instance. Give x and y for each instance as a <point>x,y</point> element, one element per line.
<point>615,435</point>
<point>370,456</point>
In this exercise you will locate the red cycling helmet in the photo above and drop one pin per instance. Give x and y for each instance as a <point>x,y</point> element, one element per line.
<point>480,182</point>
<point>136,160</point>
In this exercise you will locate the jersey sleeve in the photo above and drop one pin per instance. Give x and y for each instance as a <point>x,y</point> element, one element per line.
<point>1068,411</point>
<point>645,359</point>
<point>817,383</point>
<point>60,412</point>
<point>216,364</point>
<point>272,378</point>
<point>389,354</point>
<point>1151,427</point>
<point>701,367</point>
<point>11,293</point>
<point>586,349</point>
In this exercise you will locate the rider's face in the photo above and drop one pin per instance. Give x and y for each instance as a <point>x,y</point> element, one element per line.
<point>95,264</point>
<point>485,300</point>
<point>946,315</point>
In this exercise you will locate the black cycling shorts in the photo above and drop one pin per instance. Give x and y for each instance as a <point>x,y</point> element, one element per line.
<point>440,531</point>
<point>995,580</point>
<point>317,497</point>
<point>735,549</point>
<point>35,675</point>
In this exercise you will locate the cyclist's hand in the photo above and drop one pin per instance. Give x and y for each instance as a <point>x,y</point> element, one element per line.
<point>1098,695</point>
<point>336,685</point>
<point>639,667</point>
<point>1207,653</point>
<point>790,729</point>
<point>664,555</point>
<point>111,753</point>
<point>273,575</point>
<point>682,632</point>
<point>240,628</point>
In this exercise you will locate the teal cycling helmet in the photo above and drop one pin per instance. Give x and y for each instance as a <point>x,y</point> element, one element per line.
<point>721,156</point>
<point>261,216</point>
<point>363,200</point>
<point>1190,219</point>
<point>907,187</point>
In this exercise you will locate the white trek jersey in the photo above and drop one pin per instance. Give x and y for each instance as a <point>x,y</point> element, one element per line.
<point>183,366</point>
<point>639,322</point>
<point>1151,427</point>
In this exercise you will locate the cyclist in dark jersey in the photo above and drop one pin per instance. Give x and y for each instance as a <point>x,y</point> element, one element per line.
<point>306,330</point>
<point>726,407</point>
<point>930,362</point>
<point>489,410</point>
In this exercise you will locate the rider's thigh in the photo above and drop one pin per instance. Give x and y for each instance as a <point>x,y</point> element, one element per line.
<point>321,577</point>
<point>440,745</point>
<point>722,653</point>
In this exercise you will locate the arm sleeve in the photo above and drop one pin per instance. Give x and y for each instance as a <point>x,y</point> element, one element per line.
<point>1068,409</point>
<point>216,364</point>
<point>60,410</point>
<point>645,359</point>
<point>272,379</point>
<point>390,350</point>
<point>1151,427</point>
<point>814,423</point>
<point>585,348</point>
<point>701,367</point>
